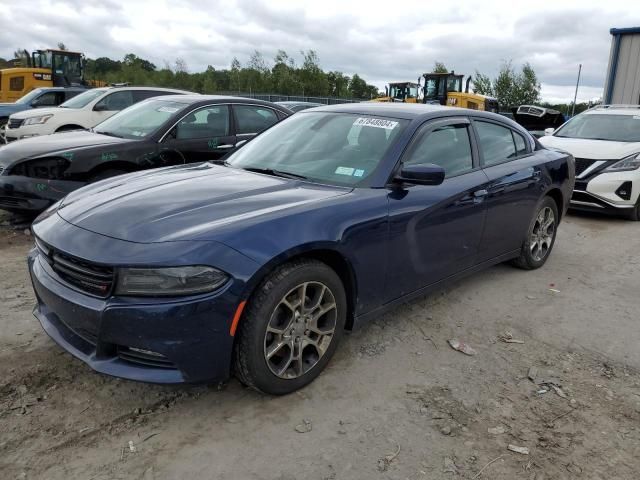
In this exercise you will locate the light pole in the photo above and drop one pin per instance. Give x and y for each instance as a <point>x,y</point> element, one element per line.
<point>575,96</point>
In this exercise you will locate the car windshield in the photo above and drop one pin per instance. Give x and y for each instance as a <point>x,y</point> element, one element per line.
<point>616,128</point>
<point>331,148</point>
<point>29,97</point>
<point>139,120</point>
<point>83,99</point>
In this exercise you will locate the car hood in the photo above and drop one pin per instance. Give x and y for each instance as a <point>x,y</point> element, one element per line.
<point>53,144</point>
<point>8,108</point>
<point>190,202</point>
<point>37,112</point>
<point>592,149</point>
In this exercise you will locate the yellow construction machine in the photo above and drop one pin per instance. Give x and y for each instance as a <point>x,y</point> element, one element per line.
<point>446,89</point>
<point>407,92</point>
<point>45,68</point>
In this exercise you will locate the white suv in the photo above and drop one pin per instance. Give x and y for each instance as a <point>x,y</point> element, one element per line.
<point>83,111</point>
<point>605,142</point>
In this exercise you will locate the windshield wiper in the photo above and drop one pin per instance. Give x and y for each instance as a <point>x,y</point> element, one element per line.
<point>108,134</point>
<point>277,173</point>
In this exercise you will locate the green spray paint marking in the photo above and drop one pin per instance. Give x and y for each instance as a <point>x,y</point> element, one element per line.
<point>213,143</point>
<point>67,155</point>
<point>41,187</point>
<point>109,156</point>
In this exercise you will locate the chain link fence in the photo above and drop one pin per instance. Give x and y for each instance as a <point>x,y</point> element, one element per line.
<point>272,97</point>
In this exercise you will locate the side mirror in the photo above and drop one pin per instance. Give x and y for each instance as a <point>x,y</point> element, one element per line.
<point>549,131</point>
<point>100,107</point>
<point>421,174</point>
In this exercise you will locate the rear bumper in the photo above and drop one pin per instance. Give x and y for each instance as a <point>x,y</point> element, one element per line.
<point>32,195</point>
<point>159,341</point>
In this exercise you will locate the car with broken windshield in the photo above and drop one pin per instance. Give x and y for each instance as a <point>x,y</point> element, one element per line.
<point>258,266</point>
<point>162,131</point>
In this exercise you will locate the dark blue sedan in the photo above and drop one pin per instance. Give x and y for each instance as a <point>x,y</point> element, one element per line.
<point>258,265</point>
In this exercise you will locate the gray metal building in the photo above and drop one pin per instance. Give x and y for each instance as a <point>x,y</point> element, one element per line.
<point>623,74</point>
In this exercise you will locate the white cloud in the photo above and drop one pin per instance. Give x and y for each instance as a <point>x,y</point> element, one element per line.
<point>381,41</point>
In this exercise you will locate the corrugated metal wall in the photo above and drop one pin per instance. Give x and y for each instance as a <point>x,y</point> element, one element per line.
<point>626,75</point>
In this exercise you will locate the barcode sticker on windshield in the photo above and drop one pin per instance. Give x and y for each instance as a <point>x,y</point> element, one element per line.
<point>344,171</point>
<point>168,109</point>
<point>376,122</point>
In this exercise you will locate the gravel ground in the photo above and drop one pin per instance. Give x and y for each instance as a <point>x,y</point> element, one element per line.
<point>395,403</point>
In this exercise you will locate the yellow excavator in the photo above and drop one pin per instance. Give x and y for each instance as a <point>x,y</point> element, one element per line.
<point>407,92</point>
<point>446,89</point>
<point>45,68</point>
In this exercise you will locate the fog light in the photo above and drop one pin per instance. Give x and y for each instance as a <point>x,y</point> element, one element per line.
<point>624,191</point>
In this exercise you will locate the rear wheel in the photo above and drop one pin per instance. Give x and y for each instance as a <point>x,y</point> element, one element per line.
<point>541,236</point>
<point>291,328</point>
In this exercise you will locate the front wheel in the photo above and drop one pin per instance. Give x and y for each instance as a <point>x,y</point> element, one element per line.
<point>541,236</point>
<point>291,328</point>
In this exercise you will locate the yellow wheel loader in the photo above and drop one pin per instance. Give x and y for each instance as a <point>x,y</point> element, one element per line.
<point>407,92</point>
<point>446,89</point>
<point>45,68</point>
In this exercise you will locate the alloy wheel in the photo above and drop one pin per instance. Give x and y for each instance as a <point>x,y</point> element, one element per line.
<point>542,234</point>
<point>300,330</point>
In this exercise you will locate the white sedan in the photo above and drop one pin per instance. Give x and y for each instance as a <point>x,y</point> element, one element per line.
<point>81,112</point>
<point>605,142</point>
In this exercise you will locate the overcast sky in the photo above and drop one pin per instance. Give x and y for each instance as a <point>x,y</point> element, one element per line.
<point>381,41</point>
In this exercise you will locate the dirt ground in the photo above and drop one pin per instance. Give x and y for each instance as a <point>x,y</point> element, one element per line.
<point>395,403</point>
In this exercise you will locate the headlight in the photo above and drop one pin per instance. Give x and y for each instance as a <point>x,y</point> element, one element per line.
<point>170,281</point>
<point>632,162</point>
<point>37,120</point>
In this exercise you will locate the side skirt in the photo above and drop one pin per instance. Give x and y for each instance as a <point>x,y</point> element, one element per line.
<point>366,317</point>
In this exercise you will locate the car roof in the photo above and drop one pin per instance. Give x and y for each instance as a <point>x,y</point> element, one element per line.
<point>197,98</point>
<point>59,89</point>
<point>408,111</point>
<point>613,110</point>
<point>155,89</point>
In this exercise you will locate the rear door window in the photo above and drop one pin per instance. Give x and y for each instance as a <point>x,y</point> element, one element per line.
<point>116,101</point>
<point>253,118</point>
<point>496,143</point>
<point>139,95</point>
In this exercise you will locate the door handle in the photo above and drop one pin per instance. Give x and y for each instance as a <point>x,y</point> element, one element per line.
<point>480,193</point>
<point>226,146</point>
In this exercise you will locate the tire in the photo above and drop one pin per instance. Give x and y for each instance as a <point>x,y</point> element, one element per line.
<point>538,244</point>
<point>106,174</point>
<point>634,214</point>
<point>294,361</point>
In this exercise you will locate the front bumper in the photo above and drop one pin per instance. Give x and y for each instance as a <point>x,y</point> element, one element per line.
<point>157,340</point>
<point>32,195</point>
<point>600,192</point>
<point>13,134</point>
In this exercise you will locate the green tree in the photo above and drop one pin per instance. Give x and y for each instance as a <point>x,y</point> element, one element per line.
<point>511,88</point>
<point>482,84</point>
<point>62,46</point>
<point>439,67</point>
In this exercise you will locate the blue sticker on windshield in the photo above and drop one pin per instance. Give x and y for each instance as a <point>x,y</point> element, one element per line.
<point>358,173</point>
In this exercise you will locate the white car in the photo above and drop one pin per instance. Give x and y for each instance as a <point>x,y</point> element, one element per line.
<point>81,112</point>
<point>605,142</point>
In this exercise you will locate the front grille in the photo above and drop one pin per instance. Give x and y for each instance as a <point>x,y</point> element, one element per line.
<point>144,357</point>
<point>582,164</point>
<point>87,276</point>
<point>15,122</point>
